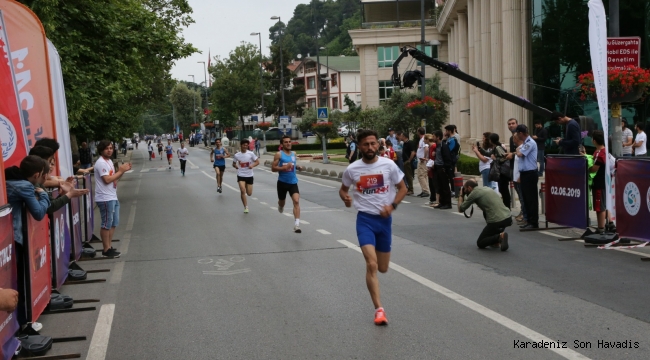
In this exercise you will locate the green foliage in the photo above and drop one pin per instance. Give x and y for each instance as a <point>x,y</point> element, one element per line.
<point>297,147</point>
<point>309,119</point>
<point>273,103</point>
<point>115,56</point>
<point>468,165</point>
<point>185,101</point>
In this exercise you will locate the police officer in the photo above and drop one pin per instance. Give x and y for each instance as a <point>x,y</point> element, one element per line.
<point>527,154</point>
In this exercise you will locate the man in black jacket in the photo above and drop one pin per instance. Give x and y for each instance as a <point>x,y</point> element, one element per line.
<point>541,134</point>
<point>572,138</point>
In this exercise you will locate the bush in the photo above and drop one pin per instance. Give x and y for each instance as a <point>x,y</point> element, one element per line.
<point>273,148</point>
<point>468,165</point>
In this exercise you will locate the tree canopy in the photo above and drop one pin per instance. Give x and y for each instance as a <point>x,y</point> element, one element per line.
<point>115,56</point>
<point>186,102</point>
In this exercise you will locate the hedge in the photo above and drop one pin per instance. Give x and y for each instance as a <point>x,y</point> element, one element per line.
<point>468,165</point>
<point>273,148</point>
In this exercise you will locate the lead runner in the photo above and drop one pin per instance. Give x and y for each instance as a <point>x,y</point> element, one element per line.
<point>374,179</point>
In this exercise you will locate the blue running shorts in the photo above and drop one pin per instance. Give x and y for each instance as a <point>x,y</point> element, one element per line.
<point>374,230</point>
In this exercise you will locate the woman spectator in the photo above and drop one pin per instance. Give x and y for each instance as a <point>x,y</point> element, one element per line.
<point>500,155</point>
<point>484,154</point>
<point>433,191</point>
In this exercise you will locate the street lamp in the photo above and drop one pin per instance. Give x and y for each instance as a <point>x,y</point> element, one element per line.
<point>261,84</point>
<point>205,75</point>
<point>281,66</point>
<point>194,100</point>
<point>327,105</point>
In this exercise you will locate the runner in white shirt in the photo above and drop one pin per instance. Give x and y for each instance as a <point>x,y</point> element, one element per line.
<point>106,195</point>
<point>373,180</point>
<point>182,156</point>
<point>641,141</point>
<point>150,149</point>
<point>244,161</point>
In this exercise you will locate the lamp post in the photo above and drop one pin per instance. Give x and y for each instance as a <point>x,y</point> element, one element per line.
<point>281,66</point>
<point>194,101</point>
<point>423,42</point>
<point>205,75</point>
<point>327,53</point>
<point>261,84</point>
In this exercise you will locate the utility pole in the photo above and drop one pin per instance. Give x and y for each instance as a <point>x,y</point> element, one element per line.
<point>423,42</point>
<point>261,84</point>
<point>205,75</point>
<point>281,66</point>
<point>615,120</point>
<point>193,100</point>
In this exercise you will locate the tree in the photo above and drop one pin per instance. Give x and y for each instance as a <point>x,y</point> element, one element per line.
<point>236,83</point>
<point>185,102</point>
<point>291,96</point>
<point>115,56</point>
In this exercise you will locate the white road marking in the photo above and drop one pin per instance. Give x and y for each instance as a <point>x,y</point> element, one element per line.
<point>263,203</point>
<point>324,232</point>
<point>480,309</point>
<point>192,164</point>
<point>129,224</point>
<point>116,276</point>
<point>137,188</point>
<point>314,211</point>
<point>304,222</point>
<point>554,235</point>
<point>287,214</point>
<point>102,333</point>
<point>406,202</point>
<point>273,208</point>
<point>162,169</point>
<point>254,198</point>
<point>456,212</point>
<point>128,171</point>
<point>315,183</point>
<point>224,184</point>
<point>144,170</point>
<point>124,243</point>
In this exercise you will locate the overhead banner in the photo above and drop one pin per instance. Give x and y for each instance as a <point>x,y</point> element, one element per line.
<point>633,198</point>
<point>12,129</point>
<point>60,112</point>
<point>74,215</point>
<point>566,190</point>
<point>8,280</point>
<point>60,244</point>
<point>30,60</point>
<point>38,260</point>
<point>598,53</point>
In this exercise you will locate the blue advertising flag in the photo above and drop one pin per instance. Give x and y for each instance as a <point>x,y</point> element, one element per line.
<point>566,190</point>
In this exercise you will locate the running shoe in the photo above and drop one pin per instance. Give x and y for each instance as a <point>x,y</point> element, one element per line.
<point>504,241</point>
<point>296,229</point>
<point>280,210</point>
<point>380,317</point>
<point>111,253</point>
<point>245,210</point>
<point>114,249</point>
<point>219,189</point>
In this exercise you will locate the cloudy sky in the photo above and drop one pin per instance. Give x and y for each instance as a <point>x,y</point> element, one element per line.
<point>221,25</point>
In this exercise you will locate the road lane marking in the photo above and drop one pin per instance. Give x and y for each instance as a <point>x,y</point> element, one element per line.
<point>304,222</point>
<point>102,333</point>
<point>137,188</point>
<point>144,170</point>
<point>478,308</point>
<point>254,198</point>
<point>124,243</point>
<point>162,169</point>
<point>324,232</point>
<point>315,183</point>
<point>129,224</point>
<point>263,203</point>
<point>406,202</point>
<point>273,208</point>
<point>116,276</point>
<point>223,183</point>
<point>287,214</point>
<point>192,165</point>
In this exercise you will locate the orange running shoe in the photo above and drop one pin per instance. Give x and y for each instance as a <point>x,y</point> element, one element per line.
<point>380,317</point>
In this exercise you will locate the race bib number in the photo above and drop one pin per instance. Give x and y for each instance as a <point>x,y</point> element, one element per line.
<point>244,164</point>
<point>290,167</point>
<point>370,183</point>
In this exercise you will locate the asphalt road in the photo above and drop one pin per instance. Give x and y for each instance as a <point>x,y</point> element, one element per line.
<point>199,279</point>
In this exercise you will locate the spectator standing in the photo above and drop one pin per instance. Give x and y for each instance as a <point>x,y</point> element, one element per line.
<point>85,156</point>
<point>431,140</point>
<point>257,146</point>
<point>393,138</point>
<point>390,151</point>
<point>484,154</point>
<point>572,137</point>
<point>522,218</point>
<point>500,155</point>
<point>397,146</point>
<point>640,142</point>
<point>528,176</point>
<point>352,152</point>
<point>627,139</point>
<point>422,153</point>
<point>408,154</point>
<point>598,188</point>
<point>106,195</point>
<point>442,165</point>
<point>453,139</point>
<point>541,134</point>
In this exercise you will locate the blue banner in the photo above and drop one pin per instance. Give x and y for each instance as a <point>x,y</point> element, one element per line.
<point>566,190</point>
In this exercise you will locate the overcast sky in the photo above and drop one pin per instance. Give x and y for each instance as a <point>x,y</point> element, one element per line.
<point>221,25</point>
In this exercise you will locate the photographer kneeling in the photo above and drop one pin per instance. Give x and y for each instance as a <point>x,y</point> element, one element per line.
<point>497,215</point>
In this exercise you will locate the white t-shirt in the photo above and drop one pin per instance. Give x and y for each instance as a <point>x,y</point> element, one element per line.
<point>245,160</point>
<point>372,185</point>
<point>421,153</point>
<point>643,149</point>
<point>515,171</point>
<point>104,191</point>
<point>627,133</point>
<point>484,165</point>
<point>182,153</point>
<point>150,147</point>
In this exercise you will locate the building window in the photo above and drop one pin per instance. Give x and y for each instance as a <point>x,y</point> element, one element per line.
<point>311,82</point>
<point>386,55</point>
<point>385,90</point>
<point>335,80</point>
<point>311,103</point>
<point>323,102</point>
<point>431,51</point>
<point>335,103</point>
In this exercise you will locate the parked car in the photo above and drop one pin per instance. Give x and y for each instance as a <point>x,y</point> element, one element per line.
<point>343,130</point>
<point>129,144</point>
<point>307,133</point>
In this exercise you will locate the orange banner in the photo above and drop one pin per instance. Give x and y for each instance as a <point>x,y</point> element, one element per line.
<point>30,59</point>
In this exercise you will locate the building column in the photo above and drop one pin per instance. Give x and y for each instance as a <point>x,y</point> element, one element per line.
<point>452,80</point>
<point>486,65</point>
<point>463,63</point>
<point>478,112</point>
<point>526,63</point>
<point>471,69</point>
<point>497,66</point>
<point>512,63</point>
<point>458,82</point>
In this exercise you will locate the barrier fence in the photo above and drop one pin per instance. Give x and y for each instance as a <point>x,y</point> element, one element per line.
<point>61,244</point>
<point>74,215</point>
<point>8,280</point>
<point>37,260</point>
<point>633,198</point>
<point>566,193</point>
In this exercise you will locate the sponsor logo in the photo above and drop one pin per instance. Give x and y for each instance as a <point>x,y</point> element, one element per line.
<point>631,198</point>
<point>647,199</point>
<point>8,137</point>
<point>61,235</point>
<point>57,240</point>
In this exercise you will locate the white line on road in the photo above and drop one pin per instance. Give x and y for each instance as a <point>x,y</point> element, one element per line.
<point>137,188</point>
<point>116,276</point>
<point>490,314</point>
<point>162,169</point>
<point>144,170</point>
<point>288,214</point>
<point>406,202</point>
<point>192,164</point>
<point>254,198</point>
<point>315,183</point>
<point>99,342</point>
<point>129,224</point>
<point>273,208</point>
<point>224,184</point>
<point>304,222</point>
<point>263,203</point>
<point>124,243</point>
<point>324,232</point>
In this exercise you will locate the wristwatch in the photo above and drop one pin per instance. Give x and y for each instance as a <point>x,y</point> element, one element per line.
<point>394,206</point>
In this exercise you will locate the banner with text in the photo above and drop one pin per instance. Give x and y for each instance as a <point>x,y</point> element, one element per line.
<point>60,242</point>
<point>12,130</point>
<point>38,259</point>
<point>566,190</point>
<point>633,198</point>
<point>8,280</point>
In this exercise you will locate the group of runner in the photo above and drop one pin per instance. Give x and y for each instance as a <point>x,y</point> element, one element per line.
<point>181,152</point>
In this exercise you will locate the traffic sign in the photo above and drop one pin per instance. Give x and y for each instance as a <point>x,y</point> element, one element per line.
<point>623,52</point>
<point>254,118</point>
<point>323,113</point>
<point>285,119</point>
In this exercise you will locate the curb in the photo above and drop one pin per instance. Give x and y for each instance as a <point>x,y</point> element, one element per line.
<point>332,175</point>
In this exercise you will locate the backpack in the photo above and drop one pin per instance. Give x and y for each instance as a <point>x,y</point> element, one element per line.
<point>446,152</point>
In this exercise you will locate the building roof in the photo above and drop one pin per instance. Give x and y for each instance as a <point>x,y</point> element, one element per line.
<point>340,63</point>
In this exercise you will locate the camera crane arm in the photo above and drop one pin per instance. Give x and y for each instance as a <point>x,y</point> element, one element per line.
<point>452,69</point>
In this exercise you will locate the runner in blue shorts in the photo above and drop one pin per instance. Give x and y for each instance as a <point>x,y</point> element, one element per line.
<point>218,158</point>
<point>374,181</point>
